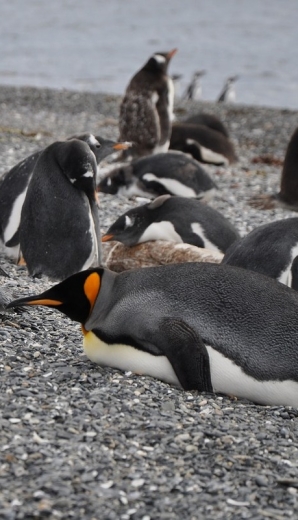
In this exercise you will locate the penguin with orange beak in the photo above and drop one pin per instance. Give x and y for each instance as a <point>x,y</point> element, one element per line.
<point>59,229</point>
<point>214,328</point>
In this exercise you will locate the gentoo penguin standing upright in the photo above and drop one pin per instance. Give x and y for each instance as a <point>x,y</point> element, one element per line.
<point>59,229</point>
<point>146,111</point>
<point>194,89</point>
<point>288,194</point>
<point>13,189</point>
<point>202,326</point>
<point>228,93</point>
<point>271,249</point>
<point>175,219</point>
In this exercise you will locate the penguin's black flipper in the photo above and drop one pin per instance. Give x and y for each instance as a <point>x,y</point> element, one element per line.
<point>187,354</point>
<point>294,271</point>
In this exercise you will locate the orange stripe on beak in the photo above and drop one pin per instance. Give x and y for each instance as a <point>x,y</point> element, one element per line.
<point>44,302</point>
<point>171,53</point>
<point>122,146</point>
<point>107,238</point>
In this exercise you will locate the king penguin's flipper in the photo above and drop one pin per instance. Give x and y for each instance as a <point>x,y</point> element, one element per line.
<point>187,354</point>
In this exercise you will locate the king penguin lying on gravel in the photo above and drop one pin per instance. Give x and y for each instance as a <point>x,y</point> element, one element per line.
<point>214,328</point>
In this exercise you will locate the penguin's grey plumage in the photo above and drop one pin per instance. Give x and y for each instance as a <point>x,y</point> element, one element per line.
<point>228,93</point>
<point>59,229</point>
<point>146,111</point>
<point>201,326</point>
<point>166,173</point>
<point>269,249</point>
<point>194,89</point>
<point>204,144</point>
<point>288,194</point>
<point>175,219</point>
<point>209,120</point>
<point>13,189</point>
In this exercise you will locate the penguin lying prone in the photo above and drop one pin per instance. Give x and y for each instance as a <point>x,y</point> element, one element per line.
<point>207,327</point>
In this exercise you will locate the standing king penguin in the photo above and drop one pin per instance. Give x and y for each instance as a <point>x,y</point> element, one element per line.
<point>213,328</point>
<point>146,111</point>
<point>59,229</point>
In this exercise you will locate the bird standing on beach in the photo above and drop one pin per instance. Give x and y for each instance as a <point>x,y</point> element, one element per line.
<point>146,111</point>
<point>59,229</point>
<point>228,93</point>
<point>194,89</point>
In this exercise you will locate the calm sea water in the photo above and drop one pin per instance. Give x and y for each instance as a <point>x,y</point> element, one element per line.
<point>98,45</point>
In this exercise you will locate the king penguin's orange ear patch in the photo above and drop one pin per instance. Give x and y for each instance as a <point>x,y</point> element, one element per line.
<point>91,288</point>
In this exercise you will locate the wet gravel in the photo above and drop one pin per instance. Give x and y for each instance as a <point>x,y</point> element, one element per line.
<point>79,441</point>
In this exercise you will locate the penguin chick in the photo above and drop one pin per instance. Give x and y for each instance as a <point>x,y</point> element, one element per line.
<point>194,89</point>
<point>165,173</point>
<point>200,326</point>
<point>146,110</point>
<point>204,144</point>
<point>270,249</point>
<point>59,229</point>
<point>13,189</point>
<point>228,93</point>
<point>288,194</point>
<point>174,219</point>
<point>209,120</point>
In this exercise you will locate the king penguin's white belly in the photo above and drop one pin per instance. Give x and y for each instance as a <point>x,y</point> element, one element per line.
<point>228,378</point>
<point>128,358</point>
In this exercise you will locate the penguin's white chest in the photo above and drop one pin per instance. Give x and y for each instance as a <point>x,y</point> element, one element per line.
<point>128,358</point>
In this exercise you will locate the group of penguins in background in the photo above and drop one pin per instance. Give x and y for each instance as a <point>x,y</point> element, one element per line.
<point>213,326</point>
<point>194,88</point>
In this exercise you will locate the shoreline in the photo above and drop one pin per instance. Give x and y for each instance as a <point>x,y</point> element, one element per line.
<point>82,441</point>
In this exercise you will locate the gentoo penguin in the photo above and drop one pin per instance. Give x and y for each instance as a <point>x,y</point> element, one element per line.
<point>202,326</point>
<point>203,143</point>
<point>228,94</point>
<point>269,249</point>
<point>59,228</point>
<point>205,119</point>
<point>165,173</point>
<point>176,219</point>
<point>146,111</point>
<point>13,189</point>
<point>288,194</point>
<point>176,82</point>
<point>194,89</point>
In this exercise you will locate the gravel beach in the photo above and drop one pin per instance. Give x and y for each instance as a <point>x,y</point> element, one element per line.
<point>83,442</point>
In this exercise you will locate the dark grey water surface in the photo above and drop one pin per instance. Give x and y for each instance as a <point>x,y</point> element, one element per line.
<point>97,45</point>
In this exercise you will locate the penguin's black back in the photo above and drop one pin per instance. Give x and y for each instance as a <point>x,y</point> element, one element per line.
<point>247,317</point>
<point>266,249</point>
<point>209,120</point>
<point>55,215</point>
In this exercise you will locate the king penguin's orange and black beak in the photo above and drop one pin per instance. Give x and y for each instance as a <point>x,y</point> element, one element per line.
<point>74,297</point>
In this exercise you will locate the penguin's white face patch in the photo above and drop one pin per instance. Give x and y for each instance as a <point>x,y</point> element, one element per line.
<point>159,58</point>
<point>88,173</point>
<point>129,222</point>
<point>229,378</point>
<point>92,140</point>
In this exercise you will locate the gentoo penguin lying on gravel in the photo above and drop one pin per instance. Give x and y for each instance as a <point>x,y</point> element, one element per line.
<point>271,249</point>
<point>205,119</point>
<point>146,111</point>
<point>59,230</point>
<point>165,173</point>
<point>203,143</point>
<point>205,327</point>
<point>176,219</point>
<point>288,194</point>
<point>13,189</point>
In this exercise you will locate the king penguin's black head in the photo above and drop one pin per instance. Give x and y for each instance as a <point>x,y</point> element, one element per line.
<point>74,297</point>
